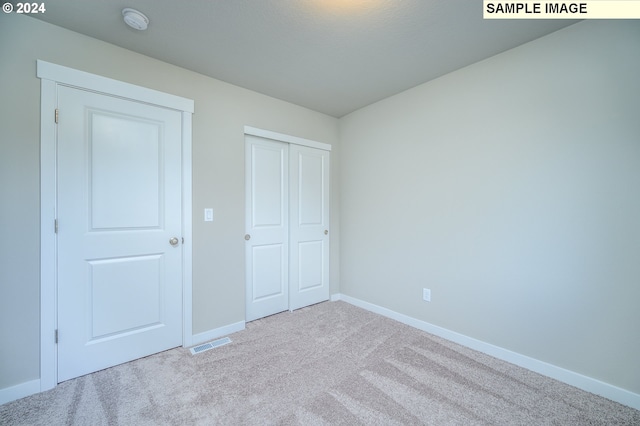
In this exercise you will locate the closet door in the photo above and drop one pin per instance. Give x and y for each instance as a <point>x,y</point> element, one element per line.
<point>267,225</point>
<point>308,226</point>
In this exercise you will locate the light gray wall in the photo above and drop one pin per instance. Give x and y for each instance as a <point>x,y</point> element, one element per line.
<point>511,189</point>
<point>218,176</point>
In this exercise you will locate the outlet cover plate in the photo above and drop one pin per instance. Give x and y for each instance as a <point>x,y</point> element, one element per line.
<point>426,295</point>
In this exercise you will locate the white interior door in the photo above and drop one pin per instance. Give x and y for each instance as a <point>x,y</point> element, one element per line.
<point>309,226</point>
<point>119,205</point>
<point>267,194</point>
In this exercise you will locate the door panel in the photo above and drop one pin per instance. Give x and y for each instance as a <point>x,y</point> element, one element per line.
<point>119,203</point>
<point>310,175</point>
<point>134,145</point>
<point>268,272</point>
<point>115,286</point>
<point>267,225</point>
<point>310,274</point>
<point>309,216</point>
<point>267,187</point>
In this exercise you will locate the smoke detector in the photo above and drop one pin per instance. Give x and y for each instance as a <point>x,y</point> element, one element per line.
<point>135,19</point>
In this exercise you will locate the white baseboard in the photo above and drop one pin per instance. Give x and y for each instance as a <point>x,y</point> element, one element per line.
<point>19,391</point>
<point>580,381</point>
<point>217,332</point>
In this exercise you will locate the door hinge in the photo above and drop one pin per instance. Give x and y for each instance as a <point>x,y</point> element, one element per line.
<point>56,335</point>
<point>182,240</point>
<point>55,225</point>
<point>57,113</point>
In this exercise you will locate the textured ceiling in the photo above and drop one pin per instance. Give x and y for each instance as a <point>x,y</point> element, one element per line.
<point>332,56</point>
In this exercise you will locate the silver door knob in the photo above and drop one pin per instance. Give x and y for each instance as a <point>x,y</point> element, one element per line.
<point>326,232</point>
<point>247,237</point>
<point>173,241</point>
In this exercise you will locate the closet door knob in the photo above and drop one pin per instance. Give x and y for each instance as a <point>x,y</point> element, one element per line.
<point>247,237</point>
<point>326,232</point>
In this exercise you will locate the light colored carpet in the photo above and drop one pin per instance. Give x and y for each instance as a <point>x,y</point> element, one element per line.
<point>331,363</point>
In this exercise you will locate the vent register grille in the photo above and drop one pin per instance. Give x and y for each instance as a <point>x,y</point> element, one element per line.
<point>210,345</point>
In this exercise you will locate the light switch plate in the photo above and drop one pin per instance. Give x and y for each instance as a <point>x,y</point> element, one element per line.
<point>208,215</point>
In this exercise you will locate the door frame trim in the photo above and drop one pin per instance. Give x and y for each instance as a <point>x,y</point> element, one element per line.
<point>281,137</point>
<point>52,75</point>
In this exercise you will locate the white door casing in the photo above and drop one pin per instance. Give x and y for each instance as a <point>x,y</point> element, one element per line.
<point>119,205</point>
<point>54,78</point>
<point>287,222</point>
<point>267,245</point>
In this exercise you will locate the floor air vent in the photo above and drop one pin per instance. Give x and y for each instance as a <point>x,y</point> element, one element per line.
<point>206,346</point>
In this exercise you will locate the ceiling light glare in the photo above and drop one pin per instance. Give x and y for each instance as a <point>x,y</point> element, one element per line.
<point>135,19</point>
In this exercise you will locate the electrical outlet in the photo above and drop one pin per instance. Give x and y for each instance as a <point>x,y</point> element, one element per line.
<point>426,295</point>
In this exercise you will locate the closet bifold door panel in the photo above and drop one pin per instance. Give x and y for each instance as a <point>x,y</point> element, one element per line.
<point>308,226</point>
<point>267,227</point>
<point>287,226</point>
